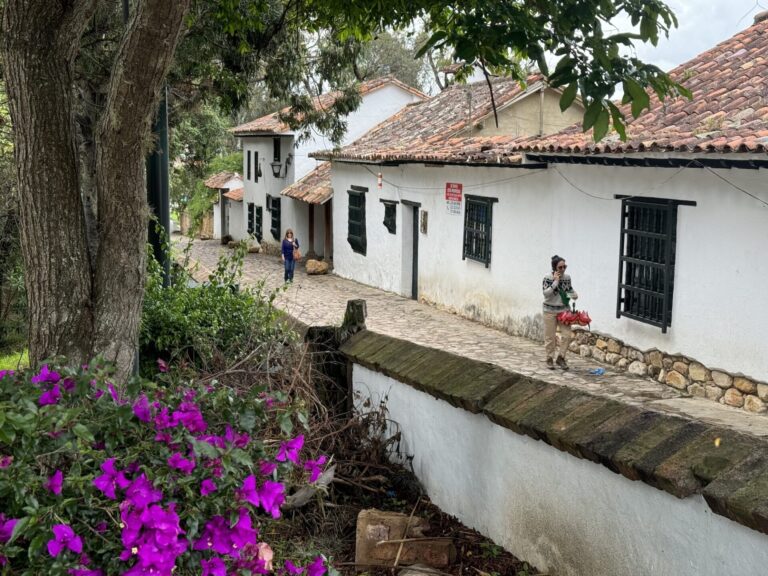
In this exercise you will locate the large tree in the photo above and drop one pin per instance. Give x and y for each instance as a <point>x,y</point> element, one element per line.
<point>83,214</point>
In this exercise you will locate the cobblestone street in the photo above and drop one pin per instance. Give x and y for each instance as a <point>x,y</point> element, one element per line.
<point>321,300</point>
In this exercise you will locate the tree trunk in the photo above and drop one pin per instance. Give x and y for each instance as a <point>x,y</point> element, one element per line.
<point>142,64</point>
<point>39,46</point>
<point>76,309</point>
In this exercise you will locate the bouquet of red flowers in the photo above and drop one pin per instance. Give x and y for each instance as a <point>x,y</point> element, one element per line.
<point>572,316</point>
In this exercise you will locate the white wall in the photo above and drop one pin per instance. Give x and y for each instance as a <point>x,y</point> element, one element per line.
<point>720,308</point>
<point>566,516</point>
<point>376,107</point>
<point>217,219</point>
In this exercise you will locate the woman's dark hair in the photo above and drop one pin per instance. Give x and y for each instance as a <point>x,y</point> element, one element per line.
<point>556,260</point>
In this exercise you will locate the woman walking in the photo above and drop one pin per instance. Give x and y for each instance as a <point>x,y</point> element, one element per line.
<point>290,244</point>
<point>558,292</point>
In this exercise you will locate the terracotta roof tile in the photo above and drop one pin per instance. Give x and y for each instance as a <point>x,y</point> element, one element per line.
<point>428,130</point>
<point>271,123</point>
<point>729,85</point>
<point>219,180</point>
<point>314,188</point>
<point>235,194</point>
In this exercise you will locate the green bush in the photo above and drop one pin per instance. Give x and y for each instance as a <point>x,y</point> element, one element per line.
<point>163,477</point>
<point>217,319</point>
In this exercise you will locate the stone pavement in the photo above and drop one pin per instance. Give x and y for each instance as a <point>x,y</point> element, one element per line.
<point>322,300</point>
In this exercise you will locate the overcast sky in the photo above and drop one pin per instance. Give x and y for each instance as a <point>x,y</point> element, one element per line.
<point>702,25</point>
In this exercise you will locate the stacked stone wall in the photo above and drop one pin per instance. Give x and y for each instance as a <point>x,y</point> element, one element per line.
<point>675,370</point>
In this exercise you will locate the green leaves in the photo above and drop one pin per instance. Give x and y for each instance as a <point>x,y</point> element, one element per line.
<point>568,96</point>
<point>637,96</point>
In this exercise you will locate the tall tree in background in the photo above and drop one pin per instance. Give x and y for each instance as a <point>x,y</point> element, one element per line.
<point>81,128</point>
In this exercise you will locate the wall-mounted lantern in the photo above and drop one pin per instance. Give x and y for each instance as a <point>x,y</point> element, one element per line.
<point>277,167</point>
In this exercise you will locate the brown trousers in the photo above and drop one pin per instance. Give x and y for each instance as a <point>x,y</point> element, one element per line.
<point>550,335</point>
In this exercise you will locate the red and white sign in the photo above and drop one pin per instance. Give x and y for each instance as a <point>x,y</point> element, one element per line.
<point>453,191</point>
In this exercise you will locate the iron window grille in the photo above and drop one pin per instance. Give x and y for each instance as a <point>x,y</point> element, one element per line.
<point>251,218</point>
<point>478,228</point>
<point>390,216</point>
<point>258,229</point>
<point>256,170</point>
<point>276,149</point>
<point>647,260</point>
<point>248,166</point>
<point>356,234</point>
<point>273,205</point>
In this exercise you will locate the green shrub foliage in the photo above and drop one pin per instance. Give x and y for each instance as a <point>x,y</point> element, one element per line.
<point>158,477</point>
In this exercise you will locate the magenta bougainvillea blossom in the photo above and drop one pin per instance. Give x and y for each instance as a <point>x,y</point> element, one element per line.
<point>141,493</point>
<point>162,365</point>
<point>64,538</point>
<point>141,409</point>
<point>213,567</point>
<point>315,468</point>
<point>267,468</point>
<point>207,486</point>
<point>45,375</point>
<point>248,492</point>
<point>271,496</point>
<point>5,461</point>
<point>111,479</point>
<point>184,465</point>
<point>55,482</point>
<point>189,416</point>
<point>291,568</point>
<point>290,450</point>
<point>317,567</point>
<point>84,572</point>
<point>218,537</point>
<point>50,396</point>
<point>6,528</point>
<point>4,373</point>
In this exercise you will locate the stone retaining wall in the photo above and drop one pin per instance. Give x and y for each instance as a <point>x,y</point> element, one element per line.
<point>679,372</point>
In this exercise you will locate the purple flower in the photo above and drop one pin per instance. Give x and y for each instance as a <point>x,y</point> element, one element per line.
<point>115,394</point>
<point>164,419</point>
<point>243,533</point>
<point>215,536</point>
<point>317,568</point>
<point>141,409</point>
<point>291,568</point>
<point>45,375</point>
<point>290,450</point>
<point>6,528</point>
<point>162,365</point>
<point>190,417</point>
<point>248,492</point>
<point>237,440</point>
<point>55,482</point>
<point>4,373</point>
<point>152,536</point>
<point>315,467</point>
<point>64,538</point>
<point>5,461</point>
<point>111,479</point>
<point>267,468</point>
<point>178,462</point>
<point>141,493</point>
<point>271,496</point>
<point>214,567</point>
<point>207,487</point>
<point>84,572</point>
<point>68,385</point>
<point>51,396</point>
<point>101,527</point>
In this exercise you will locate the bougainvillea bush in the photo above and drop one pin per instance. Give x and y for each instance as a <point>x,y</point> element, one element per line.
<point>155,478</point>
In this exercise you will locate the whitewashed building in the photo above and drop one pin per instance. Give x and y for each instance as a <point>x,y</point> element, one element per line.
<point>273,160</point>
<point>664,234</point>
<point>228,209</point>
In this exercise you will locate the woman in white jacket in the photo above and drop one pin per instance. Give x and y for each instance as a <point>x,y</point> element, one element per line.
<point>558,292</point>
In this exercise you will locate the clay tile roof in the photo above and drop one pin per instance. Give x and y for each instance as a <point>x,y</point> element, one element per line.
<point>314,188</point>
<point>430,129</point>
<point>271,123</point>
<point>235,194</point>
<point>219,180</point>
<point>727,113</point>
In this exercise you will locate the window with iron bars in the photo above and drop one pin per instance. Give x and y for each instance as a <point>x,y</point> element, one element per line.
<point>390,216</point>
<point>356,233</point>
<point>255,221</point>
<point>647,260</point>
<point>273,205</point>
<point>478,227</point>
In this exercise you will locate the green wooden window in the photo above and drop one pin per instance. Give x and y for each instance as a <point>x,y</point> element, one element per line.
<point>478,228</point>
<point>356,234</point>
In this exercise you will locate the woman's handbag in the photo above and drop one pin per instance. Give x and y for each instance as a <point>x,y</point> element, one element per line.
<point>296,254</point>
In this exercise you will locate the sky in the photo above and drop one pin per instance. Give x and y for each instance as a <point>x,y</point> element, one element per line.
<point>701,25</point>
